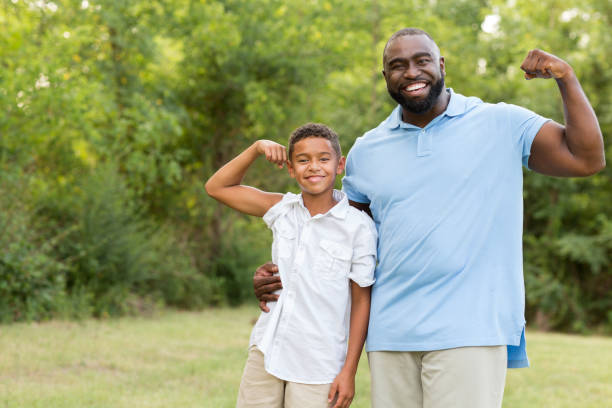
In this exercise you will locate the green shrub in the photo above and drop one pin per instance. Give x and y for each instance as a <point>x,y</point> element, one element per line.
<point>31,280</point>
<point>118,261</point>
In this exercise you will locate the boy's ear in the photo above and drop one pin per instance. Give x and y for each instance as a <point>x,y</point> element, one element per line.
<point>290,169</point>
<point>341,165</point>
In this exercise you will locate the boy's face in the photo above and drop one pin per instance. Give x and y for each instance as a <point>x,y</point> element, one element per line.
<point>314,165</point>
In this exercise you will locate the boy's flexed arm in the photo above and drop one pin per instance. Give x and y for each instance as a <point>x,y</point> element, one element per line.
<point>224,185</point>
<point>343,387</point>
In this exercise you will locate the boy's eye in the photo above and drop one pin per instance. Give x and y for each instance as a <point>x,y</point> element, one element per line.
<point>324,159</point>
<point>302,161</point>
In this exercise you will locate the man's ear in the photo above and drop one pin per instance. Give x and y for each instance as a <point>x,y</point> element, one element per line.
<point>341,165</point>
<point>442,66</point>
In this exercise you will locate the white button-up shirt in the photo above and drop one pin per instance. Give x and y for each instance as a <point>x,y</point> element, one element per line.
<point>304,336</point>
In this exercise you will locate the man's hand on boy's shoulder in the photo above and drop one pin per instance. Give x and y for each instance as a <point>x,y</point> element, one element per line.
<point>265,282</point>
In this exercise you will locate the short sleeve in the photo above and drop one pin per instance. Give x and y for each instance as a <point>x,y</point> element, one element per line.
<point>349,180</point>
<point>523,125</point>
<point>279,209</point>
<point>363,262</point>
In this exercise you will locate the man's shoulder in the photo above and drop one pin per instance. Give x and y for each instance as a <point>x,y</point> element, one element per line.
<point>476,105</point>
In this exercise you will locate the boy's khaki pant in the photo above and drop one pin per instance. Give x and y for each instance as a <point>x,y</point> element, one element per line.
<point>259,389</point>
<point>465,377</point>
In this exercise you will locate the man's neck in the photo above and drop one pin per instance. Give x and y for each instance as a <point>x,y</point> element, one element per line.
<point>320,203</point>
<point>422,119</point>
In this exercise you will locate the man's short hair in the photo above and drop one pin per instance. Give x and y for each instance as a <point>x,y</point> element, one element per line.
<point>314,130</point>
<point>407,31</point>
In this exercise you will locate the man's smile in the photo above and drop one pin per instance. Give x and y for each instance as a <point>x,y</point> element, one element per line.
<point>419,88</point>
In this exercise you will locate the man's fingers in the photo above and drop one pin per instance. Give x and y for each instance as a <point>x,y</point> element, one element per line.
<point>267,269</point>
<point>263,306</point>
<point>268,297</point>
<point>540,64</point>
<point>266,292</point>
<point>265,280</point>
<point>266,285</point>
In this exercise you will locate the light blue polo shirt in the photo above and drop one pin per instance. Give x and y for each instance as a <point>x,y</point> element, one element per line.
<point>447,200</point>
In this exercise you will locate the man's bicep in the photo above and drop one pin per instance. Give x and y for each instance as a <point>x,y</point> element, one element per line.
<point>550,154</point>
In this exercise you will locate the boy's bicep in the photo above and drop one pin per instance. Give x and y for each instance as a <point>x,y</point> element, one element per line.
<point>360,291</point>
<point>248,200</point>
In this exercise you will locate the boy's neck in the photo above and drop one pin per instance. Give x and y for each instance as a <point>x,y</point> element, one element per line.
<point>320,203</point>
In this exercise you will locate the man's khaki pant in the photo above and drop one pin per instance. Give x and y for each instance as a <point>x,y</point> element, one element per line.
<point>465,377</point>
<point>259,389</point>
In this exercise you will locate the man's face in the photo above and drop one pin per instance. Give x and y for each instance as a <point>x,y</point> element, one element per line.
<point>414,72</point>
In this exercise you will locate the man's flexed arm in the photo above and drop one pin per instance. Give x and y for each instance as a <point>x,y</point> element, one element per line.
<point>573,150</point>
<point>224,185</point>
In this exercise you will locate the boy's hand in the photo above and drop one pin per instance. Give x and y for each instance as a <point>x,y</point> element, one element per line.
<point>342,390</point>
<point>274,152</point>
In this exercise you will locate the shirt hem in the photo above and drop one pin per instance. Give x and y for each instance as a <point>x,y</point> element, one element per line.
<point>494,341</point>
<point>524,363</point>
<point>299,380</point>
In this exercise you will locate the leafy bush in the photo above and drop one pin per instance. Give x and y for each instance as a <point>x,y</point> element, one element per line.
<point>118,261</point>
<point>31,280</point>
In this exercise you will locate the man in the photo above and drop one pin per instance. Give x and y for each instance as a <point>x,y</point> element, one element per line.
<point>442,179</point>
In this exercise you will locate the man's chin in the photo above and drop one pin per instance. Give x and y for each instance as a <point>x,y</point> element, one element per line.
<point>417,106</point>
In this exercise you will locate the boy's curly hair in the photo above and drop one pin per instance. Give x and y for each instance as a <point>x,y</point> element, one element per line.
<point>315,130</point>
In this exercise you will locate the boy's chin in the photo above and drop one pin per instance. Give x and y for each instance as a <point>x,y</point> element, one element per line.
<point>317,191</point>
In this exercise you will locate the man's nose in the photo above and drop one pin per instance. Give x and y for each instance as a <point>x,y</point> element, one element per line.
<point>412,71</point>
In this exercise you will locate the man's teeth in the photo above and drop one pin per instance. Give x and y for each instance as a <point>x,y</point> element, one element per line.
<point>414,87</point>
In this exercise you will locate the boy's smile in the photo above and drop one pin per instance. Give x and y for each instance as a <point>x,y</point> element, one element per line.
<point>315,165</point>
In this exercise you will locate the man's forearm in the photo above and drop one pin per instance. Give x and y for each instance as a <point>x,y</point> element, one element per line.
<point>582,133</point>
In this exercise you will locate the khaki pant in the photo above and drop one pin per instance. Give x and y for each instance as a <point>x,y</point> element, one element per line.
<point>259,389</point>
<point>465,377</point>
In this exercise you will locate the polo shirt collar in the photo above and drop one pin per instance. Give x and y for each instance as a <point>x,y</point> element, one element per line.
<point>457,105</point>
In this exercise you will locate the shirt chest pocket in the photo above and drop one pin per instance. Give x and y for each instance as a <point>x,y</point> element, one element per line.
<point>285,239</point>
<point>333,260</point>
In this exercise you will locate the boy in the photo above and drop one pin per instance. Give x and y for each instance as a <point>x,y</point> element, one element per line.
<point>326,252</point>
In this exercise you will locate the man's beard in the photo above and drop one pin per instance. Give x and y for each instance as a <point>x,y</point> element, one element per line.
<point>420,106</point>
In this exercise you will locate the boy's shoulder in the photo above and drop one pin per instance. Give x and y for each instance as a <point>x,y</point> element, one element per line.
<point>282,207</point>
<point>360,217</point>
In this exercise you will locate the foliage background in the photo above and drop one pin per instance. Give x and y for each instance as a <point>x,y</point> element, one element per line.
<point>116,112</point>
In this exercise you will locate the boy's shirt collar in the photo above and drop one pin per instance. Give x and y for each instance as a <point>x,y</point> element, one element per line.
<point>339,210</point>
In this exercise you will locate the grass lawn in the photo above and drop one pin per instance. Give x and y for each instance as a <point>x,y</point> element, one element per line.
<point>179,359</point>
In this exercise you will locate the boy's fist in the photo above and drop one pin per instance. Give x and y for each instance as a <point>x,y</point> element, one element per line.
<point>274,152</point>
<point>540,64</point>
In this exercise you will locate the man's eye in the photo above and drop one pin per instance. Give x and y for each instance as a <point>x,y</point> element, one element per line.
<point>423,61</point>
